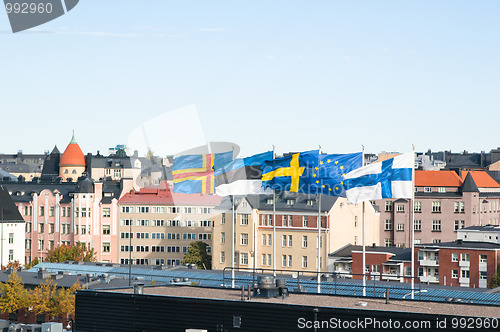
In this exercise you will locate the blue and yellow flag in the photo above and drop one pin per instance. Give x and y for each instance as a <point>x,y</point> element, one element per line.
<point>310,172</point>
<point>194,174</point>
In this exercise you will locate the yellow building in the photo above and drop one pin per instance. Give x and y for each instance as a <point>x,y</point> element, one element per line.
<point>295,236</point>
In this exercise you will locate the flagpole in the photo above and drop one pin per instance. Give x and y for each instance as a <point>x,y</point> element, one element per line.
<point>363,230</point>
<point>319,228</point>
<point>413,228</point>
<point>232,244</point>
<point>274,223</point>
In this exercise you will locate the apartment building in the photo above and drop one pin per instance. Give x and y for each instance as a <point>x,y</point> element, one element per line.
<point>444,203</point>
<point>156,225</point>
<point>296,229</point>
<point>11,231</point>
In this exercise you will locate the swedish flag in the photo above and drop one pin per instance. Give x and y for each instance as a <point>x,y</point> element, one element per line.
<point>310,172</point>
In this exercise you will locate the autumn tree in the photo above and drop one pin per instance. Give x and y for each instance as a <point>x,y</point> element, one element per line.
<point>14,295</point>
<point>15,265</point>
<point>76,252</point>
<point>44,299</point>
<point>197,254</point>
<point>65,299</point>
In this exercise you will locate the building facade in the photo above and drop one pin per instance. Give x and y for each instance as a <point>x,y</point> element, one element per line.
<point>444,203</point>
<point>156,226</point>
<point>296,231</point>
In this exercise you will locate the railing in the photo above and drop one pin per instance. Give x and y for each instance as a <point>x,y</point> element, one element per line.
<point>348,283</point>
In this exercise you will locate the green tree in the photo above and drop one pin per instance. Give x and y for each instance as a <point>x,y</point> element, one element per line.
<point>76,252</point>
<point>14,295</point>
<point>197,254</point>
<point>495,281</point>
<point>34,261</point>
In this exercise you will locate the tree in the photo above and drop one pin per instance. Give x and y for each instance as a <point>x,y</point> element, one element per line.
<point>76,252</point>
<point>13,265</point>
<point>34,262</point>
<point>495,281</point>
<point>14,295</point>
<point>44,299</point>
<point>65,299</point>
<point>197,254</point>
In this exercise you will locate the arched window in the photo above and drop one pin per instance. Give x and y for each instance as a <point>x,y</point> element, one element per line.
<point>65,171</point>
<point>74,171</point>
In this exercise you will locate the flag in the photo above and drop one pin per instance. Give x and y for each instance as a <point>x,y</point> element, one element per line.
<point>242,176</point>
<point>194,173</point>
<point>326,173</point>
<point>390,178</point>
<point>286,173</point>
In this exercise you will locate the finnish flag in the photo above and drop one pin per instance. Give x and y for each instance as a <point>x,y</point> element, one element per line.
<point>390,178</point>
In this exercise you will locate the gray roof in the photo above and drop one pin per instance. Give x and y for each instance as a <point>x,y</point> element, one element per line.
<point>481,228</point>
<point>469,186</point>
<point>8,208</point>
<point>346,251</point>
<point>461,244</point>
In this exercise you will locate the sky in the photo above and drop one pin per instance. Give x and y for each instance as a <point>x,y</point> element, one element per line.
<point>293,74</point>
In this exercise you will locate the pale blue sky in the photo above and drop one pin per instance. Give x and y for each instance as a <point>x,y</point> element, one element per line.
<point>296,74</point>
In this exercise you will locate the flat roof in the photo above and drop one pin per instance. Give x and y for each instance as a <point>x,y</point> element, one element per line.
<point>317,300</point>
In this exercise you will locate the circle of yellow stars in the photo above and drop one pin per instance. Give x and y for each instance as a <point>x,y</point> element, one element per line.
<point>336,163</point>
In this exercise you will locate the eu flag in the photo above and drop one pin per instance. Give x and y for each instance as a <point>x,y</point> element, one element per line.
<point>310,172</point>
<point>194,174</point>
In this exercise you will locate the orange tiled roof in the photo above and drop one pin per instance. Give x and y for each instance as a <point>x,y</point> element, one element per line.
<point>72,156</point>
<point>482,179</point>
<point>437,179</point>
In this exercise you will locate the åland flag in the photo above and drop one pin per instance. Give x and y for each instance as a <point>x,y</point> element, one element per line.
<point>392,178</point>
<point>242,176</point>
<point>194,174</point>
<point>310,172</point>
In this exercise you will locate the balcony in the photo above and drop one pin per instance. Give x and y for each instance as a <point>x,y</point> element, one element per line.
<point>429,262</point>
<point>483,267</point>
<point>464,264</point>
<point>464,282</point>
<point>482,283</point>
<point>429,279</point>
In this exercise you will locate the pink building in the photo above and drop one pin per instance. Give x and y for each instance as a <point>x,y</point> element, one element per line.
<point>444,203</point>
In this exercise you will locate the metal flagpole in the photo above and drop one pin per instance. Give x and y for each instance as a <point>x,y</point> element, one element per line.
<point>319,228</point>
<point>232,243</point>
<point>274,223</point>
<point>413,228</point>
<point>363,230</point>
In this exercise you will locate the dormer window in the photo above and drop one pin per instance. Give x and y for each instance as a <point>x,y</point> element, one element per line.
<point>427,189</point>
<point>269,201</point>
<point>290,202</point>
<point>310,202</point>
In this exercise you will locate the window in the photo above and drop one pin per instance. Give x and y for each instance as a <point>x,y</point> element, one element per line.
<point>283,242</point>
<point>464,257</point>
<point>454,257</point>
<point>127,209</point>
<point>417,225</point>
<point>205,210</point>
<point>244,239</point>
<point>223,218</point>
<point>270,220</point>
<point>143,209</point>
<point>441,189</point>
<point>388,206</point>
<point>28,244</point>
<point>11,254</point>
<point>173,223</point>
<point>84,230</point>
<point>222,257</point>
<point>51,211</point>
<point>189,236</point>
<point>436,225</point>
<point>42,211</point>
<point>290,260</point>
<point>205,236</point>
<point>417,205</point>
<point>188,209</point>
<point>290,240</point>
<point>142,248</point>
<point>269,201</point>
<point>142,222</point>
<point>401,227</point>
<point>106,212</point>
<point>244,258</point>
<point>173,209</point>
<point>160,249</point>
<point>310,202</point>
<point>269,260</point>
<point>427,189</point>
<point>126,222</point>
<point>157,209</point>
<point>465,274</point>
<point>205,223</point>
<point>188,223</point>
<point>290,202</point>
<point>417,241</point>
<point>51,228</point>
<point>355,221</point>
<point>171,249</point>
<point>388,225</point>
<point>11,238</point>
<point>283,260</point>
<point>106,247</point>
<point>264,238</point>
<point>173,236</point>
<point>304,262</point>
<point>304,241</point>
<point>222,237</point>
<point>483,275</point>
<point>407,271</point>
<point>400,208</point>
<point>376,268</point>
<point>482,258</point>
<point>454,274</point>
<point>436,240</point>
<point>436,207</point>
<point>244,219</point>
<point>127,235</point>
<point>41,228</point>
<point>28,227</point>
<point>269,240</point>
<point>158,222</point>
<point>388,242</point>
<point>264,260</point>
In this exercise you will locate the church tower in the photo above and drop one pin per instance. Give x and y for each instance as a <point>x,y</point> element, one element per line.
<point>72,162</point>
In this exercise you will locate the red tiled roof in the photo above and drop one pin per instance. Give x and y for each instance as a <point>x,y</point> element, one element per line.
<point>163,195</point>
<point>437,179</point>
<point>482,179</point>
